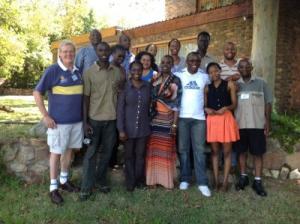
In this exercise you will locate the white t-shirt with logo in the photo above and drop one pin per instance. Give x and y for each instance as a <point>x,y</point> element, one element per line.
<point>192,100</point>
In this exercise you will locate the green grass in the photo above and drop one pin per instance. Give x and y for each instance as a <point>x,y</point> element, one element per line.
<point>22,203</point>
<point>25,109</point>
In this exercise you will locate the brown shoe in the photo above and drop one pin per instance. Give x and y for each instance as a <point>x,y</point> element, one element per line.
<point>69,187</point>
<point>56,198</point>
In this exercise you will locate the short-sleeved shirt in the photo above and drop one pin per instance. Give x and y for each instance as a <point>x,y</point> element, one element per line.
<point>192,100</point>
<point>133,110</point>
<point>227,70</point>
<point>85,58</point>
<point>65,91</point>
<point>205,61</point>
<point>252,97</point>
<point>101,85</point>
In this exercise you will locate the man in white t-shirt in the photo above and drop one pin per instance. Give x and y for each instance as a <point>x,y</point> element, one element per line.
<point>192,125</point>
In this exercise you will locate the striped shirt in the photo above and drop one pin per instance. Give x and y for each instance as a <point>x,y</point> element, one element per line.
<point>227,70</point>
<point>65,91</point>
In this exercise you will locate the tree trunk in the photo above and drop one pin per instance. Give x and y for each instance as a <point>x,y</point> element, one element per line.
<point>265,25</point>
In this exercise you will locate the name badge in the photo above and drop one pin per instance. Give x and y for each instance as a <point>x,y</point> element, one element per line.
<point>245,96</point>
<point>74,77</point>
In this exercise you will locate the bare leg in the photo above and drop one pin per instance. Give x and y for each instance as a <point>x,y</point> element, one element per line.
<point>65,160</point>
<point>54,161</point>
<point>215,161</point>
<point>242,162</point>
<point>258,162</point>
<point>227,162</point>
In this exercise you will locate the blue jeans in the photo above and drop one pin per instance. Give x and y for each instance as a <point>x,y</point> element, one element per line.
<point>192,131</point>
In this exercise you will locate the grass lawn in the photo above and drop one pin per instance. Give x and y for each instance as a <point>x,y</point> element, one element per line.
<point>24,109</point>
<point>21,203</point>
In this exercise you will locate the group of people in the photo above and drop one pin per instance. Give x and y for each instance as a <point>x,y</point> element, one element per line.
<point>159,113</point>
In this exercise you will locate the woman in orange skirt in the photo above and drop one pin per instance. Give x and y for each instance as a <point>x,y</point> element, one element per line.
<point>161,151</point>
<point>222,129</point>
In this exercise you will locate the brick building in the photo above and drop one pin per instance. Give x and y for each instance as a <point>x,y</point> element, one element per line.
<point>225,20</point>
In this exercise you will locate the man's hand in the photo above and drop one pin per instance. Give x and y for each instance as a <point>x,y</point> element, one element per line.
<point>49,122</point>
<point>234,77</point>
<point>267,129</point>
<point>88,130</point>
<point>122,136</point>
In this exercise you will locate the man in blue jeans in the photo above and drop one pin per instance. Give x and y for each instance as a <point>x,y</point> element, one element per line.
<point>192,125</point>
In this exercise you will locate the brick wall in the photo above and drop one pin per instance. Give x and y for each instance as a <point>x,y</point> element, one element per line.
<point>236,30</point>
<point>175,8</point>
<point>287,80</point>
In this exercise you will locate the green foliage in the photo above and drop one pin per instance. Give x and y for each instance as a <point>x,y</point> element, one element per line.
<point>26,30</point>
<point>286,128</point>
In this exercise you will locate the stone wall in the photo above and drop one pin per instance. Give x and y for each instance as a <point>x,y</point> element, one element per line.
<point>236,30</point>
<point>287,80</point>
<point>27,159</point>
<point>175,8</point>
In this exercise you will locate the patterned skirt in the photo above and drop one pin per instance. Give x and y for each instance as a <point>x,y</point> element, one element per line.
<point>161,149</point>
<point>222,128</point>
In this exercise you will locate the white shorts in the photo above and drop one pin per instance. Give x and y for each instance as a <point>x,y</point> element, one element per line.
<point>65,136</point>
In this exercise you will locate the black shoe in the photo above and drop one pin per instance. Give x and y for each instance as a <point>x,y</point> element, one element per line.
<point>56,198</point>
<point>242,183</point>
<point>130,189</point>
<point>141,186</point>
<point>84,195</point>
<point>69,187</point>
<point>258,188</point>
<point>104,189</point>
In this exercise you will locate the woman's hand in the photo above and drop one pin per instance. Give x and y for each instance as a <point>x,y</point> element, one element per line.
<point>221,111</point>
<point>173,129</point>
<point>209,111</point>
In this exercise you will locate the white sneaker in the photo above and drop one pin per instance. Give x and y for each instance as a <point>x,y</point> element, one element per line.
<point>184,186</point>
<point>204,190</point>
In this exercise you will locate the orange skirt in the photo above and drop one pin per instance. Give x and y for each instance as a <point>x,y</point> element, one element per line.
<point>222,128</point>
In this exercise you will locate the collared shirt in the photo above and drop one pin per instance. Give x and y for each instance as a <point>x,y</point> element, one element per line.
<point>101,85</point>
<point>227,70</point>
<point>85,58</point>
<point>65,90</point>
<point>252,98</point>
<point>205,61</point>
<point>192,100</point>
<point>133,110</point>
<point>129,57</point>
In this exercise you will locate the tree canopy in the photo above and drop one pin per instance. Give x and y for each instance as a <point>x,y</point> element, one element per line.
<point>27,27</point>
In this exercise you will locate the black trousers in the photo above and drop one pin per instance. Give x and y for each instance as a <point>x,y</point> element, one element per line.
<point>135,150</point>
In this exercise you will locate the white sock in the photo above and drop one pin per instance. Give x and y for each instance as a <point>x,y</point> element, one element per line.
<point>53,185</point>
<point>257,178</point>
<point>244,174</point>
<point>63,177</point>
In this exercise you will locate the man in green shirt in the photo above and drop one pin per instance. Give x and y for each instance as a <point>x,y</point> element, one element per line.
<point>101,82</point>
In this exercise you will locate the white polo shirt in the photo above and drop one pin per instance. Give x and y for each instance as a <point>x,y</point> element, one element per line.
<point>192,100</point>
